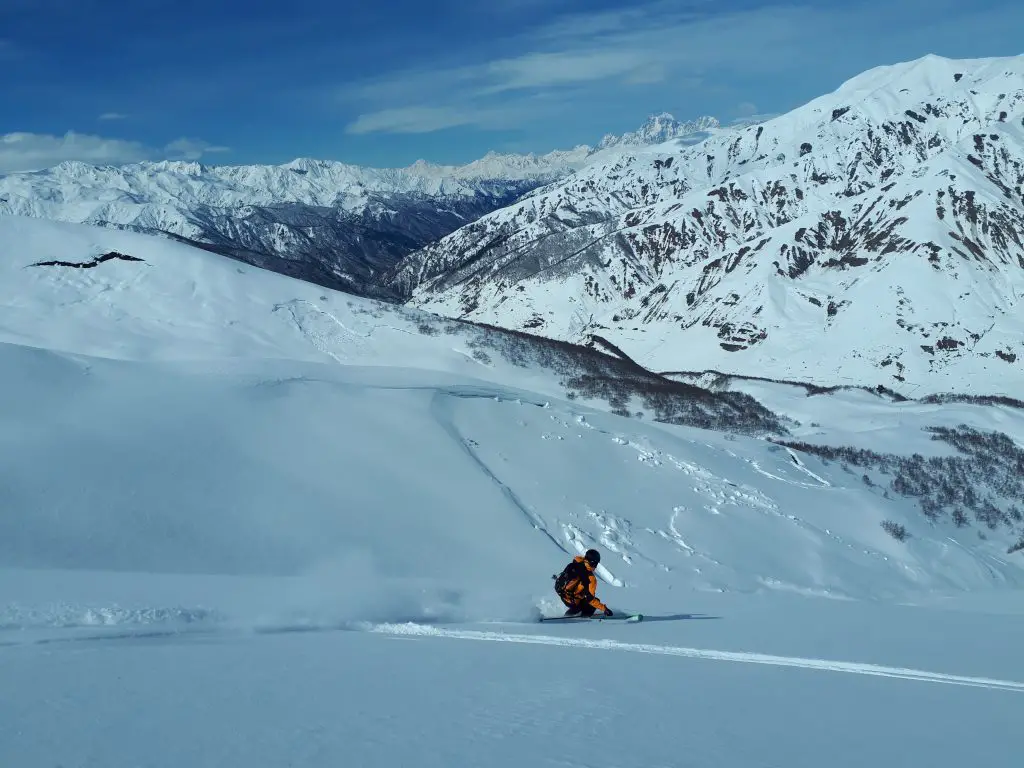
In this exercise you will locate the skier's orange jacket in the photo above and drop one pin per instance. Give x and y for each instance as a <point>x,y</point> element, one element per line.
<point>581,591</point>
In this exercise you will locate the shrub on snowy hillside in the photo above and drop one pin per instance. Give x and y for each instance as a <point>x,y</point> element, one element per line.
<point>986,478</point>
<point>626,387</point>
<point>630,389</point>
<point>895,530</point>
<point>943,399</point>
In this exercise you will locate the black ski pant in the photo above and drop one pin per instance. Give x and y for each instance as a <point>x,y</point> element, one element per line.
<point>579,607</point>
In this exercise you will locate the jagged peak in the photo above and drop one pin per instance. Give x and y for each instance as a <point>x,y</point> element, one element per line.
<point>183,167</point>
<point>306,164</point>
<point>76,167</point>
<point>660,127</point>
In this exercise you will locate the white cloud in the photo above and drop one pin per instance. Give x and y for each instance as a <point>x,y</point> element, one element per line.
<point>545,70</point>
<point>113,116</point>
<point>425,119</point>
<point>35,151</point>
<point>192,149</point>
<point>654,73</point>
<point>411,120</point>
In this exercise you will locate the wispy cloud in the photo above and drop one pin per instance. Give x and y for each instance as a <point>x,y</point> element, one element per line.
<point>553,69</point>
<point>113,116</point>
<point>426,119</point>
<point>672,48</point>
<point>420,119</point>
<point>192,149</point>
<point>35,151</point>
<point>613,50</point>
<point>32,151</point>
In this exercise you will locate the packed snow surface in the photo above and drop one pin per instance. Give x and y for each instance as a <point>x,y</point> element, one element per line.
<point>248,521</point>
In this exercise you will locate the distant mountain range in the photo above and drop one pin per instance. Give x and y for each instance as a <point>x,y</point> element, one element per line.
<point>335,224</point>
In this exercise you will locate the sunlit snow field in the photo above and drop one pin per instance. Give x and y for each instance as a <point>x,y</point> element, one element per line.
<point>246,521</point>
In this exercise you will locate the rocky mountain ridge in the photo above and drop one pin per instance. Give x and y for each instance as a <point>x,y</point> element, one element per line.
<point>872,236</point>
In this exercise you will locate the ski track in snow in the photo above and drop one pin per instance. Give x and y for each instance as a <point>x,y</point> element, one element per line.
<point>325,331</point>
<point>207,624</point>
<point>824,665</point>
<point>442,411</point>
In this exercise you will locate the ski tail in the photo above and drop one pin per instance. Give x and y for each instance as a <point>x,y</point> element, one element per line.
<point>628,617</point>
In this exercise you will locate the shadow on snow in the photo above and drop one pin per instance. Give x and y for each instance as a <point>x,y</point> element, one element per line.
<point>680,617</point>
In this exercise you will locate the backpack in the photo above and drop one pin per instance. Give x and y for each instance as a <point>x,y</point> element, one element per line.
<point>574,573</point>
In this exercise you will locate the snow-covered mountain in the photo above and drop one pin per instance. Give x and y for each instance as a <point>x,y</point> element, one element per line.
<point>331,223</point>
<point>872,236</point>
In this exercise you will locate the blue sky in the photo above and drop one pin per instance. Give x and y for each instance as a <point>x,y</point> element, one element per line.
<point>385,82</point>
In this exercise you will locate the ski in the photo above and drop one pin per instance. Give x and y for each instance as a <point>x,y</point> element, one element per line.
<point>630,617</point>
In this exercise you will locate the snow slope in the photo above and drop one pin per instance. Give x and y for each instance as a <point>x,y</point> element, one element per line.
<point>321,379</point>
<point>507,696</point>
<point>872,236</point>
<point>251,521</point>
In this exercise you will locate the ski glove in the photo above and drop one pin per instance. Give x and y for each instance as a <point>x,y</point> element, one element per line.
<point>608,612</point>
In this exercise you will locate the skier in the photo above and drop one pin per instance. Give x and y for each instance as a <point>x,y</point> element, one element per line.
<point>577,586</point>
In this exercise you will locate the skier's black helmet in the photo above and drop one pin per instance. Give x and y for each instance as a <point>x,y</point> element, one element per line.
<point>593,557</point>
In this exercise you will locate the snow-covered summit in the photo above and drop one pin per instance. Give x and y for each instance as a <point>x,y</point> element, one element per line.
<point>659,128</point>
